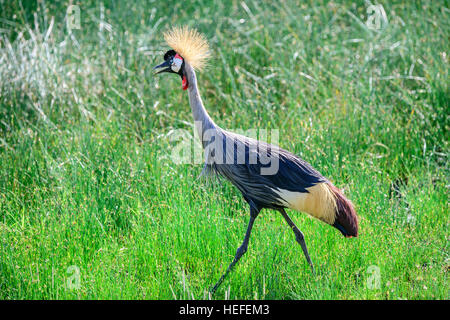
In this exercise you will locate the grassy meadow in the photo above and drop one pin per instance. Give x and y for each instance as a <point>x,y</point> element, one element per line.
<point>93,207</point>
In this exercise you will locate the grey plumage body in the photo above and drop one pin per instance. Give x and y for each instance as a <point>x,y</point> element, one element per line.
<point>242,160</point>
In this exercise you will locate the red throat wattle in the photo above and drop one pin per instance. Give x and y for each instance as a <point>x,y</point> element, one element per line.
<point>184,83</point>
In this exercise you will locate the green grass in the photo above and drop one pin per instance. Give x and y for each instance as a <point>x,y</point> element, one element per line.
<point>86,177</point>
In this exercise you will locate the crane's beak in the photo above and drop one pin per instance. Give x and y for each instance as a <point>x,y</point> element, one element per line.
<point>165,65</point>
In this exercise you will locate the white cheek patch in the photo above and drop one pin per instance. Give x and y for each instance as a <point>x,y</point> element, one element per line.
<point>176,64</point>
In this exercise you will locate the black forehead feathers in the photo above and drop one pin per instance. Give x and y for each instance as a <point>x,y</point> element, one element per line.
<point>169,54</point>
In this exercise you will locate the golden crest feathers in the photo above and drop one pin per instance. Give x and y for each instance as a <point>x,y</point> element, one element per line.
<point>190,44</point>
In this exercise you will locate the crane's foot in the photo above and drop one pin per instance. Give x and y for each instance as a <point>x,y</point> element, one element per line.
<point>239,253</point>
<point>214,288</point>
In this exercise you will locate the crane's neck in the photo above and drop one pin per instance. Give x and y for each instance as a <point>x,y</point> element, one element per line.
<point>202,120</point>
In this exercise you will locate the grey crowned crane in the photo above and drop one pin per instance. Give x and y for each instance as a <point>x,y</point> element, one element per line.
<point>266,175</point>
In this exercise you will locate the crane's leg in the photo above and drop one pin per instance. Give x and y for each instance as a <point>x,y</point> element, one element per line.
<point>241,250</point>
<point>298,236</point>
